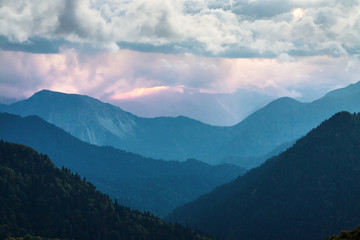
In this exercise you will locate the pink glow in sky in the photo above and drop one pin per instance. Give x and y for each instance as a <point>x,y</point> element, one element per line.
<point>130,74</point>
<point>139,92</point>
<point>279,47</point>
<point>180,50</point>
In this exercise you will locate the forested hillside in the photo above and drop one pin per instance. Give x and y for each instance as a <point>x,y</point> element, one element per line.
<point>41,200</point>
<point>347,235</point>
<point>310,191</point>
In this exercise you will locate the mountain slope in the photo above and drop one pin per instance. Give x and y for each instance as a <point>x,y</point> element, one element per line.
<point>84,117</point>
<point>103,124</point>
<point>285,120</point>
<point>281,121</point>
<point>142,183</point>
<point>347,235</point>
<point>39,199</point>
<point>309,191</point>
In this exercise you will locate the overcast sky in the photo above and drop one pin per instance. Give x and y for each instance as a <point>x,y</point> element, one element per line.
<point>122,49</point>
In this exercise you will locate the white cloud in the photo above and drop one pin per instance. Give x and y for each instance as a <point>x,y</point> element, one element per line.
<point>20,20</point>
<point>267,28</point>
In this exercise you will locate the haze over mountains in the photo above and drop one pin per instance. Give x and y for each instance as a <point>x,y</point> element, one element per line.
<point>141,183</point>
<point>104,124</point>
<point>309,191</point>
<point>278,123</point>
<point>214,109</point>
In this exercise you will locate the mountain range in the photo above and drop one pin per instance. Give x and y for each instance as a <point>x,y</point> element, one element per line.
<point>41,200</point>
<point>99,123</point>
<point>310,191</point>
<point>142,183</point>
<point>211,108</point>
<point>285,120</point>
<point>277,124</point>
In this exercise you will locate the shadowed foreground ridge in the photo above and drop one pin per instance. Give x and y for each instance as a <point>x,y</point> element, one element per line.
<point>311,191</point>
<point>41,200</point>
<point>347,235</point>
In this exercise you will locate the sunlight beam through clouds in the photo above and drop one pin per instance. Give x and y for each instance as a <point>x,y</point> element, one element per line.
<point>297,13</point>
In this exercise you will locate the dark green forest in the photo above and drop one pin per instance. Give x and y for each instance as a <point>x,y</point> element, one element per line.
<point>29,237</point>
<point>38,199</point>
<point>310,191</point>
<point>347,235</point>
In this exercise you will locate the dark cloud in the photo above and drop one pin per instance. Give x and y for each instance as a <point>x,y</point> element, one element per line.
<point>159,26</point>
<point>75,21</point>
<point>261,9</point>
<point>33,45</point>
<point>69,23</point>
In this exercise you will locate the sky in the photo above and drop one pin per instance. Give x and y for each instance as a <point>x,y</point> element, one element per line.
<point>122,50</point>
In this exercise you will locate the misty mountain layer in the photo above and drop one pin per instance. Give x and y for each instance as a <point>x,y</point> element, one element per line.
<point>141,183</point>
<point>280,122</point>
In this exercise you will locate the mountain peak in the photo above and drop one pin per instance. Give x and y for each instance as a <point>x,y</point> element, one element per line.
<point>284,101</point>
<point>351,89</point>
<point>45,93</point>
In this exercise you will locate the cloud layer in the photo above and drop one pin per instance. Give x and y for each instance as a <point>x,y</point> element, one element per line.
<point>129,74</point>
<point>120,50</point>
<point>229,28</point>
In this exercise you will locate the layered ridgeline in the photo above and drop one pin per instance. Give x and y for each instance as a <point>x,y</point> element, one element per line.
<point>41,200</point>
<point>275,127</point>
<point>142,183</point>
<point>103,124</point>
<point>265,132</point>
<point>310,191</point>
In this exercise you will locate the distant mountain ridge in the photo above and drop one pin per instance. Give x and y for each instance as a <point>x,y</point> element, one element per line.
<point>282,121</point>
<point>285,120</point>
<point>87,118</point>
<point>103,124</point>
<point>141,183</point>
<point>222,109</point>
<point>310,191</point>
